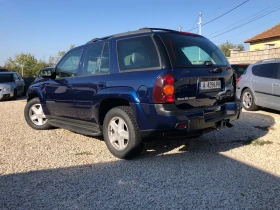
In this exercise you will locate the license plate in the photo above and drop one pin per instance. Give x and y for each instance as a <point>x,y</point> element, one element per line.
<point>210,85</point>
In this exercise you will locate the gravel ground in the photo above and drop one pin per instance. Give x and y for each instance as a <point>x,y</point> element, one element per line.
<point>235,168</point>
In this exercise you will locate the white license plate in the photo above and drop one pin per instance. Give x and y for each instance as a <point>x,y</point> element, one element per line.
<point>210,85</point>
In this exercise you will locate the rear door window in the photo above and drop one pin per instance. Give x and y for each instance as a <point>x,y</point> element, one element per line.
<point>192,50</point>
<point>137,53</point>
<point>265,70</point>
<point>97,59</point>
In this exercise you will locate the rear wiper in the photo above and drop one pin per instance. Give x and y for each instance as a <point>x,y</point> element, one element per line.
<point>216,70</point>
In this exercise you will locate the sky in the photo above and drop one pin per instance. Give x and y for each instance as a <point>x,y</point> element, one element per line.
<point>44,27</point>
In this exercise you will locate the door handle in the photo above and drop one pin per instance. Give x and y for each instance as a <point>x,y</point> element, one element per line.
<point>276,84</point>
<point>254,81</point>
<point>70,86</point>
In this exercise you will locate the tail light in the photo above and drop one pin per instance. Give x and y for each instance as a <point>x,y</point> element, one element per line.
<point>164,89</point>
<point>237,80</point>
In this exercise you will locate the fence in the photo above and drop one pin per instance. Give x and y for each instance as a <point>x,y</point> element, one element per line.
<point>237,56</point>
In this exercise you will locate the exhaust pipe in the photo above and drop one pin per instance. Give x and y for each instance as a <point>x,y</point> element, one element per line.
<point>223,124</point>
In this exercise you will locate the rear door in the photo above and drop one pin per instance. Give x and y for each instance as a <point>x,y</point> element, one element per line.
<point>203,75</point>
<point>262,83</point>
<point>95,76</point>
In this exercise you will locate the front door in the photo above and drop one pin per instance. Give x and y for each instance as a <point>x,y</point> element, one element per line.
<point>60,93</point>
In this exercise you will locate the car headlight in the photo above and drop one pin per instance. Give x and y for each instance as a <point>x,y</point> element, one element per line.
<point>7,88</point>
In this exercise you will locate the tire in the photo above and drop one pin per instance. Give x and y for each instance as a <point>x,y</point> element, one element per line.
<point>36,120</point>
<point>119,122</point>
<point>15,94</point>
<point>248,100</point>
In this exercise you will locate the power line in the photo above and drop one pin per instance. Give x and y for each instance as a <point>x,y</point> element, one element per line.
<point>221,15</point>
<point>263,11</point>
<point>225,13</point>
<point>252,20</point>
<point>224,38</point>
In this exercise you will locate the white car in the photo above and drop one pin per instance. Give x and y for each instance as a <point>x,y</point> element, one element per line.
<point>11,85</point>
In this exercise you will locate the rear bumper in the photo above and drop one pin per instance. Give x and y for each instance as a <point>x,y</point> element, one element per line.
<point>157,119</point>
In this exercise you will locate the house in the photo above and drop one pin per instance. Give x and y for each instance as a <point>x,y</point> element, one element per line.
<point>266,40</point>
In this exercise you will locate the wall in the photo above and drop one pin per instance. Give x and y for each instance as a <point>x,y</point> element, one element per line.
<point>261,44</point>
<point>237,56</point>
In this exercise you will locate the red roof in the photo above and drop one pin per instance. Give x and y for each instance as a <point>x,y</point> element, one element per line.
<point>273,32</point>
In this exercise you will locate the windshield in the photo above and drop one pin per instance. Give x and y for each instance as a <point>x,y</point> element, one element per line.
<point>6,78</point>
<point>191,50</point>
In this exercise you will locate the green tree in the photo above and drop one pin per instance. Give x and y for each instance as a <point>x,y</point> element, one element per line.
<point>22,63</point>
<point>225,47</point>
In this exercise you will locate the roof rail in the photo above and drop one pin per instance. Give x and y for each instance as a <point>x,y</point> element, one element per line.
<point>157,29</point>
<point>141,30</point>
<point>269,59</point>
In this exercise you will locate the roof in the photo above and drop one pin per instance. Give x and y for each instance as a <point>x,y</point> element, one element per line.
<point>140,31</point>
<point>273,32</point>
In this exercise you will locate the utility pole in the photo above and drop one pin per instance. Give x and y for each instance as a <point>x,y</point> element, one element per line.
<point>200,32</point>
<point>200,23</point>
<point>21,70</point>
<point>180,28</point>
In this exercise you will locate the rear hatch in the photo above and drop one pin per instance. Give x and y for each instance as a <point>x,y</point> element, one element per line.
<point>203,76</point>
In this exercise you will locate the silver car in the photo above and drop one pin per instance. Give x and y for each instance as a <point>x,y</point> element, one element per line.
<point>260,85</point>
<point>11,85</point>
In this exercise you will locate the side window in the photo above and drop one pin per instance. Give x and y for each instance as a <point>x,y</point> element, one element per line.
<point>97,59</point>
<point>265,70</point>
<point>68,66</point>
<point>137,53</point>
<point>278,71</point>
<point>15,77</point>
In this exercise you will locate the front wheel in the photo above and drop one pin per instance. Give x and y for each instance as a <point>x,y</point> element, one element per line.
<point>121,133</point>
<point>35,116</point>
<point>248,100</point>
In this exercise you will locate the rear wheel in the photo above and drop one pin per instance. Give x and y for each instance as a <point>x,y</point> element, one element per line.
<point>121,133</point>
<point>35,116</point>
<point>248,100</point>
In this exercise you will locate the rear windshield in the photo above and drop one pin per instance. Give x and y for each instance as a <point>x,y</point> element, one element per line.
<point>6,78</point>
<point>239,69</point>
<point>186,50</point>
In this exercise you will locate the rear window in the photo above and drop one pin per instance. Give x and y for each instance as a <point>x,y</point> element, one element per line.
<point>186,50</point>
<point>239,69</point>
<point>137,53</point>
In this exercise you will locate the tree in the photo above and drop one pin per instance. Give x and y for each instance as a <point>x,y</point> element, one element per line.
<point>225,48</point>
<point>22,63</point>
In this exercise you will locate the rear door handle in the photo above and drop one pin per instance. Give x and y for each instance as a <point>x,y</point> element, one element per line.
<point>254,81</point>
<point>276,84</point>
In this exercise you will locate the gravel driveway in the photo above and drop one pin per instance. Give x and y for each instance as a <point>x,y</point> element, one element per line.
<point>233,168</point>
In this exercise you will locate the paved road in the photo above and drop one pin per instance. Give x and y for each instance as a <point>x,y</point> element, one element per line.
<point>58,169</point>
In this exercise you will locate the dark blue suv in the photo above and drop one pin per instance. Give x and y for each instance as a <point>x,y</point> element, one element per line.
<point>129,86</point>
